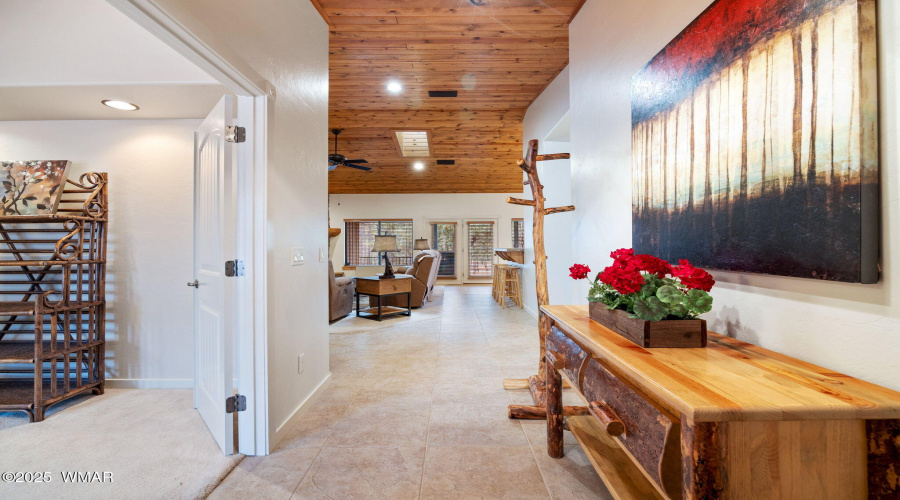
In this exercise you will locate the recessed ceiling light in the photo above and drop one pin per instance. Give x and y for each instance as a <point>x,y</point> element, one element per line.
<point>394,87</point>
<point>419,165</point>
<point>122,105</point>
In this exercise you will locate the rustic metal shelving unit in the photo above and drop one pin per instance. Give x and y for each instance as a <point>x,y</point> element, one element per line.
<point>52,339</point>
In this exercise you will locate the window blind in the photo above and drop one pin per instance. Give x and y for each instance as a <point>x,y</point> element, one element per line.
<point>360,238</point>
<point>481,249</point>
<point>518,233</point>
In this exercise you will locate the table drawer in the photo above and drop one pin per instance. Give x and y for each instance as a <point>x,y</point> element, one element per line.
<point>651,436</point>
<point>384,287</point>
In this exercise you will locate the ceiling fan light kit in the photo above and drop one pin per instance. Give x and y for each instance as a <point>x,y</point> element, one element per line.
<point>336,160</point>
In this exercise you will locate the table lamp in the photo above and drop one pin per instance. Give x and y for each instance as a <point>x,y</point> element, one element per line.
<point>421,244</point>
<point>386,244</point>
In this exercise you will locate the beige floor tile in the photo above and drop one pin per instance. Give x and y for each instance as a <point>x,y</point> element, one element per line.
<point>473,425</point>
<point>314,427</point>
<point>382,425</point>
<point>275,476</point>
<point>464,351</point>
<point>341,390</point>
<point>364,473</point>
<point>396,391</point>
<point>464,368</point>
<point>471,391</point>
<point>571,477</point>
<point>486,472</point>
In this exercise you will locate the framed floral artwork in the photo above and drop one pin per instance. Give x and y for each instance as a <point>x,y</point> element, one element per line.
<point>32,187</point>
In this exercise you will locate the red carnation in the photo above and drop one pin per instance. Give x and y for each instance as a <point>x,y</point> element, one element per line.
<point>653,265</point>
<point>693,277</point>
<point>579,271</point>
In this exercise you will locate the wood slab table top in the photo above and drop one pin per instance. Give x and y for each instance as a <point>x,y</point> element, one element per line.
<point>729,380</point>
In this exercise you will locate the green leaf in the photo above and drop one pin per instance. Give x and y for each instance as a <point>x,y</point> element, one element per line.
<point>651,309</point>
<point>669,295</point>
<point>698,301</point>
<point>679,310</point>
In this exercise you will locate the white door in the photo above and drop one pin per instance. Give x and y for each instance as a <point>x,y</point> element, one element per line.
<point>213,244</point>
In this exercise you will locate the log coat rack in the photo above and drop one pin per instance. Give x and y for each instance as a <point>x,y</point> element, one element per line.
<point>537,383</point>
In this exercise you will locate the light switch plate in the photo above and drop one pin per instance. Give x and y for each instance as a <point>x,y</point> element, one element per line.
<point>297,256</point>
<point>321,254</point>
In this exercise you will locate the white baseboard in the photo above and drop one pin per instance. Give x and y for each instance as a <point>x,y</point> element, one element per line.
<point>150,383</point>
<point>530,311</point>
<point>285,426</point>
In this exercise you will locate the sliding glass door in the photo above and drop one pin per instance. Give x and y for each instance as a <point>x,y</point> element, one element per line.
<point>443,238</point>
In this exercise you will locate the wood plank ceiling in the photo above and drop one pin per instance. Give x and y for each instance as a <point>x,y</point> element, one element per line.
<point>499,55</point>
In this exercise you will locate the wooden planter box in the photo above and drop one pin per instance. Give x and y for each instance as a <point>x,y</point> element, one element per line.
<point>666,333</point>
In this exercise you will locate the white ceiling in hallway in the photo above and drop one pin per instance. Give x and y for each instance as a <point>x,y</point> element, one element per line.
<point>59,56</point>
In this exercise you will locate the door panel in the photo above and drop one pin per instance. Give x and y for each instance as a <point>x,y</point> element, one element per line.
<point>213,318</point>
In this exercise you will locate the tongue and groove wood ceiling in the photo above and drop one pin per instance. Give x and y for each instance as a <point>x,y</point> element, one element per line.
<point>498,55</point>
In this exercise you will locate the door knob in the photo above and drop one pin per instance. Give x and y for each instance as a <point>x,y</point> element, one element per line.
<point>195,284</point>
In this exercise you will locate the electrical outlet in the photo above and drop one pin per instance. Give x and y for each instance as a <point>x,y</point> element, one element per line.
<point>300,366</point>
<point>297,256</point>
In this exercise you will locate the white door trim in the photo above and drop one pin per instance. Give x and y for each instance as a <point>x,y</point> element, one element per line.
<point>255,100</point>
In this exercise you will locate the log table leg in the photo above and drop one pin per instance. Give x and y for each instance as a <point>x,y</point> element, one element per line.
<point>554,409</point>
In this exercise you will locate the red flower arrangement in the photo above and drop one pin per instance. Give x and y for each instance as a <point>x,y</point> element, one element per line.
<point>639,284</point>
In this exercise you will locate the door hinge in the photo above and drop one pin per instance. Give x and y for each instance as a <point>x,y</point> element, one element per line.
<point>236,403</point>
<point>235,134</point>
<point>234,268</point>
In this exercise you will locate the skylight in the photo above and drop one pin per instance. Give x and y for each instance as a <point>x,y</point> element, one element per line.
<point>413,143</point>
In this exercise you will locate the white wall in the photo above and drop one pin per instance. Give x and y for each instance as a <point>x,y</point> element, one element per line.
<point>421,207</point>
<point>285,42</point>
<point>546,117</point>
<point>850,328</point>
<point>150,165</point>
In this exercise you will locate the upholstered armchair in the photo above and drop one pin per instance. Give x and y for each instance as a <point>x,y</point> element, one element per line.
<point>341,292</point>
<point>420,272</point>
<point>432,277</point>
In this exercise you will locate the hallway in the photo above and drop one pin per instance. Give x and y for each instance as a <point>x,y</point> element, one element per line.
<point>416,409</point>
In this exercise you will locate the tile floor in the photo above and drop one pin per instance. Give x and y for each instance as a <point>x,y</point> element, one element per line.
<point>417,409</point>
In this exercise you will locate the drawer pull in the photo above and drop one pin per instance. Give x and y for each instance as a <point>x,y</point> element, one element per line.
<point>607,418</point>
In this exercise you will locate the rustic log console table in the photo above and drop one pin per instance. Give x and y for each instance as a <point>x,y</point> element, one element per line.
<point>732,420</point>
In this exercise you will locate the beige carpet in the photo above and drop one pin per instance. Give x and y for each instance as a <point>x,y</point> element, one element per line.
<point>152,441</point>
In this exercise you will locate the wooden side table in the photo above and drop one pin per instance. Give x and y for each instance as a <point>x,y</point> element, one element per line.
<point>374,287</point>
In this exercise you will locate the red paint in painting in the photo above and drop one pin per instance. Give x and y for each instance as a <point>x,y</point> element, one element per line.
<point>718,37</point>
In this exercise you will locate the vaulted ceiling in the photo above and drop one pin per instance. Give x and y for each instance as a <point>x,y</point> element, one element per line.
<point>497,54</point>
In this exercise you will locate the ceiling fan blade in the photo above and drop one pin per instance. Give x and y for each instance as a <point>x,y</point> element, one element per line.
<point>358,167</point>
<point>356,161</point>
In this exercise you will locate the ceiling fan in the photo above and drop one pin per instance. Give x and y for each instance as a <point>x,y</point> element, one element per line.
<point>335,160</point>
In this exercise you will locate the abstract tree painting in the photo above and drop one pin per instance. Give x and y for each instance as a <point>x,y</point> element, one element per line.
<point>755,141</point>
<point>32,187</point>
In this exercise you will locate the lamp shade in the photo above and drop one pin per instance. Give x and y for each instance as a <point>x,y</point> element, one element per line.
<point>421,244</point>
<point>385,244</point>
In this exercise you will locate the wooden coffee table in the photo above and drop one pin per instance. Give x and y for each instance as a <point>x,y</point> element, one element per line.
<point>374,287</point>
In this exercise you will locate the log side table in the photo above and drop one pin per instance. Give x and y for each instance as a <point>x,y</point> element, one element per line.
<point>373,286</point>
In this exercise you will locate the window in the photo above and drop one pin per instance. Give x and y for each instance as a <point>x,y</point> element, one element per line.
<point>360,238</point>
<point>412,143</point>
<point>518,233</point>
<point>443,234</point>
<point>481,249</point>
